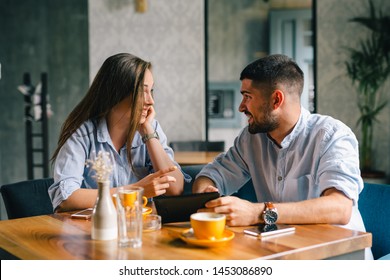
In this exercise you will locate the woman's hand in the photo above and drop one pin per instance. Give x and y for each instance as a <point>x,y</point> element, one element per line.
<point>146,126</point>
<point>157,183</point>
<point>150,115</point>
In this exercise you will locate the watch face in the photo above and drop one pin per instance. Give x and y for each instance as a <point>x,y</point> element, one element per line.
<point>270,217</point>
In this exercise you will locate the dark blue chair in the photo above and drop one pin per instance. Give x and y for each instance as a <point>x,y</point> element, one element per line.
<point>198,145</point>
<point>27,198</point>
<point>247,192</point>
<point>191,170</point>
<point>374,207</point>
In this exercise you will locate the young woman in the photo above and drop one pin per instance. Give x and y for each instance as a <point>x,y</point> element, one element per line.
<point>116,116</point>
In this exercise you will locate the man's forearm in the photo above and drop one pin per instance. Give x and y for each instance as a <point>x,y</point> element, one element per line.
<point>201,184</point>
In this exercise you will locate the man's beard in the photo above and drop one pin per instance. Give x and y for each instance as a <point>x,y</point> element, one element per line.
<point>269,123</point>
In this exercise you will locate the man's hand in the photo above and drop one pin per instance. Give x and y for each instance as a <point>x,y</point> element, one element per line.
<point>238,212</point>
<point>210,188</point>
<point>203,184</point>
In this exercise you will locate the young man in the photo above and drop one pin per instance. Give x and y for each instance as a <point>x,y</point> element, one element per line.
<point>304,167</point>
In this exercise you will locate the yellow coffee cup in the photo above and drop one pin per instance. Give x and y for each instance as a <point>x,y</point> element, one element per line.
<point>128,198</point>
<point>208,225</point>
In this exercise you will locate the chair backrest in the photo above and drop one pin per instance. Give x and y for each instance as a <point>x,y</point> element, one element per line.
<point>374,207</point>
<point>247,192</point>
<point>27,198</point>
<point>203,146</point>
<point>191,170</point>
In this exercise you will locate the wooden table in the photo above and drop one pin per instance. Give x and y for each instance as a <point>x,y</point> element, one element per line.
<point>190,158</point>
<point>59,237</point>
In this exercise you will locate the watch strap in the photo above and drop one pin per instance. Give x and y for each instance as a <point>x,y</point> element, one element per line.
<point>149,136</point>
<point>269,206</point>
<point>270,213</point>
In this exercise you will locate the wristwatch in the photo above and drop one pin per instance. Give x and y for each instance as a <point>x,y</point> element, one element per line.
<point>270,213</point>
<point>149,136</point>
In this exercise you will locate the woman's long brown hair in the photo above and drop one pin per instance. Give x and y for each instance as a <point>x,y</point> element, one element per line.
<point>121,76</point>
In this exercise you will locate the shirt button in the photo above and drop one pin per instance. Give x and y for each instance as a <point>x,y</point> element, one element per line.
<point>280,178</point>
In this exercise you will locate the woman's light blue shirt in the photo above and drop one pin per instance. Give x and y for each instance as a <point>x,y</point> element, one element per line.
<point>71,173</point>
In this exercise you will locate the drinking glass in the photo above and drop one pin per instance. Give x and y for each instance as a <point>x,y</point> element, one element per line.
<point>129,206</point>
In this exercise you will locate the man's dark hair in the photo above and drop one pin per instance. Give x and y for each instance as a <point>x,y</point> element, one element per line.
<point>274,70</point>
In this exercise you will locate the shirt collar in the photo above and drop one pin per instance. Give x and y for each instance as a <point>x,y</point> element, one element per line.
<point>103,135</point>
<point>102,131</point>
<point>297,128</point>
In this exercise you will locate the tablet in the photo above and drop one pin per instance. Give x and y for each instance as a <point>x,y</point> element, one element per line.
<point>179,208</point>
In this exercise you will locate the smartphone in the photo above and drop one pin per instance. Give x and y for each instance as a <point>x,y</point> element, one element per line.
<point>83,214</point>
<point>264,230</point>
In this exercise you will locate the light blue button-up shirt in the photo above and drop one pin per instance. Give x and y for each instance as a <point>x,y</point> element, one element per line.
<point>318,154</point>
<point>71,173</point>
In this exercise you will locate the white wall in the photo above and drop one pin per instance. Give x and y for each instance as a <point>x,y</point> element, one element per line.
<point>170,35</point>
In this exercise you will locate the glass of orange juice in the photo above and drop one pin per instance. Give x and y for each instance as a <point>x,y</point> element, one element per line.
<point>130,203</point>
